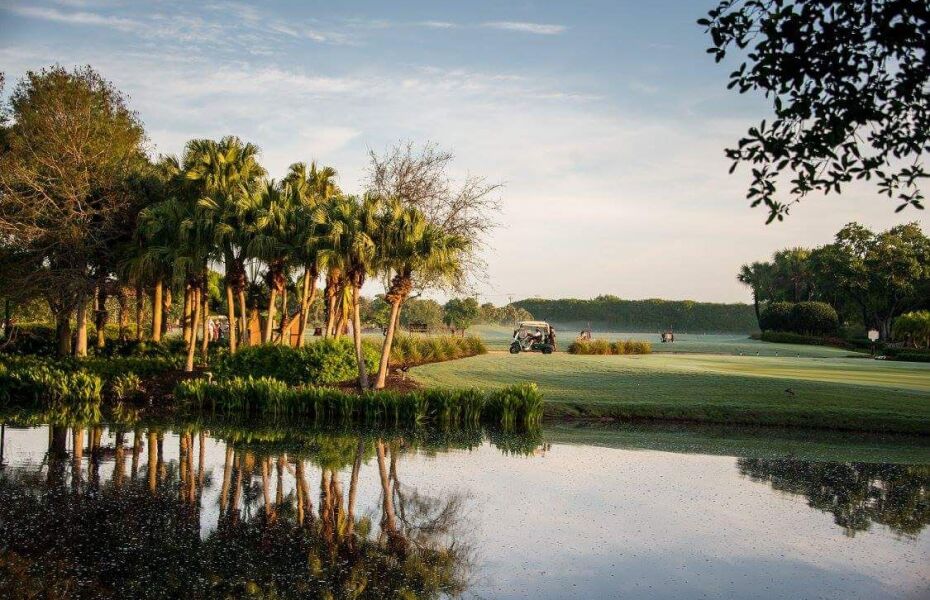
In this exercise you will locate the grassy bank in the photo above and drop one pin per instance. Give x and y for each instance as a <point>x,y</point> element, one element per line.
<point>835,393</point>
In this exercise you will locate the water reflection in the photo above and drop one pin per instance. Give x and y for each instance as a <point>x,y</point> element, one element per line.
<point>225,509</point>
<point>68,531</point>
<point>856,494</point>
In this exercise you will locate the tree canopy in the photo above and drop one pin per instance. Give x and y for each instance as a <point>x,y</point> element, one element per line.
<point>849,84</point>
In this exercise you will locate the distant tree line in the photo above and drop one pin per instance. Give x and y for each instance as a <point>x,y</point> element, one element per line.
<point>611,312</point>
<point>457,313</point>
<point>869,279</point>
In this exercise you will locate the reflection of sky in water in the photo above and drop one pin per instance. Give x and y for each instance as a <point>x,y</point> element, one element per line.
<point>582,521</point>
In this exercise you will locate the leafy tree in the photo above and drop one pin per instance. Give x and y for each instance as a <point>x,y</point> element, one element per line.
<point>885,274</point>
<point>913,328</point>
<point>461,313</point>
<point>849,84</point>
<point>64,199</point>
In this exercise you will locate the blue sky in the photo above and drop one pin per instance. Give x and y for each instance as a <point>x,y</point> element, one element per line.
<point>605,121</point>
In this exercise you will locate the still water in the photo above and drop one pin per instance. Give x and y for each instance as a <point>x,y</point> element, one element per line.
<point>185,512</point>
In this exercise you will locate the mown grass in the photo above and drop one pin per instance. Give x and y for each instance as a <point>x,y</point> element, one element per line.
<point>843,394</point>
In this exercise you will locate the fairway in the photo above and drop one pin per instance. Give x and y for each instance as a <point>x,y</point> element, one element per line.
<point>498,337</point>
<point>835,393</point>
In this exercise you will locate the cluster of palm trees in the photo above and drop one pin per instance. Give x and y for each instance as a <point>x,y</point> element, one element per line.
<point>217,206</point>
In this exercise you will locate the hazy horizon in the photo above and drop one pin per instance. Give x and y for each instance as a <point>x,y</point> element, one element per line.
<point>605,121</point>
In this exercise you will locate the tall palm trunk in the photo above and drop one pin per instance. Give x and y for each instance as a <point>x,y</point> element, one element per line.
<point>156,311</point>
<point>246,336</point>
<point>306,301</point>
<point>231,315</point>
<point>384,365</point>
<point>63,331</point>
<point>80,347</point>
<point>357,336</point>
<point>140,308</point>
<point>353,487</point>
<point>205,302</point>
<point>165,309</point>
<point>192,345</point>
<point>100,315</point>
<point>388,517</point>
<point>285,320</point>
<point>188,313</point>
<point>269,322</point>
<point>122,315</point>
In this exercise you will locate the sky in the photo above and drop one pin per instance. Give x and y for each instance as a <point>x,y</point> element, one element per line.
<point>604,121</point>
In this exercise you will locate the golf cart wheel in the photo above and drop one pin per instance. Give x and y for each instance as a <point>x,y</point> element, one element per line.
<point>515,348</point>
<point>547,349</point>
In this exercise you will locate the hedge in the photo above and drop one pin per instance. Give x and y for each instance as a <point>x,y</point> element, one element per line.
<point>610,348</point>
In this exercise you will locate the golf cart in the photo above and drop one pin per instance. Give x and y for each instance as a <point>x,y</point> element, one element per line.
<point>533,336</point>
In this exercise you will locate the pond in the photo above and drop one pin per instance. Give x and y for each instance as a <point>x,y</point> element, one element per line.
<point>226,511</point>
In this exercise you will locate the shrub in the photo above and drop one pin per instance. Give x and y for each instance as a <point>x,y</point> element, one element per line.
<point>619,347</point>
<point>127,386</point>
<point>40,383</point>
<point>412,350</point>
<point>776,317</point>
<point>321,362</point>
<point>814,318</point>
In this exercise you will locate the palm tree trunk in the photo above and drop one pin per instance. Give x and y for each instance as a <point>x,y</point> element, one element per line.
<point>227,479</point>
<point>122,302</point>
<point>156,311</point>
<point>205,302</point>
<point>386,347</point>
<point>100,315</point>
<point>188,313</point>
<point>165,309</point>
<point>140,308</point>
<point>80,348</point>
<point>285,320</point>
<point>245,333</point>
<point>192,345</point>
<point>63,331</point>
<point>269,322</point>
<point>231,315</point>
<point>306,301</point>
<point>357,338</point>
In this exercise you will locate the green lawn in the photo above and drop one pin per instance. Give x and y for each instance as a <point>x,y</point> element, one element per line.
<point>733,344</point>
<point>836,393</point>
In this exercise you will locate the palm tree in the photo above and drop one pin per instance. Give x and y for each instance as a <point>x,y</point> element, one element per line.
<point>351,247</point>
<point>758,277</point>
<point>226,172</point>
<point>412,247</point>
<point>273,241</point>
<point>313,188</point>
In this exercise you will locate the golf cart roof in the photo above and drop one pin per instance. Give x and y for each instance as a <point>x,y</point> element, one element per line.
<point>534,324</point>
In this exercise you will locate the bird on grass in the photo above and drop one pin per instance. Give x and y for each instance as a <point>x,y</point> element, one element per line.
<point>789,392</point>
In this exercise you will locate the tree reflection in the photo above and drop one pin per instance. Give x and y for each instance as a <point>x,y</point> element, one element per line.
<point>70,528</point>
<point>856,494</point>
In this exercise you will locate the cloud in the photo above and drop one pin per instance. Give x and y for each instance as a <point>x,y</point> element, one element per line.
<point>76,18</point>
<point>643,88</point>
<point>535,28</point>
<point>437,24</point>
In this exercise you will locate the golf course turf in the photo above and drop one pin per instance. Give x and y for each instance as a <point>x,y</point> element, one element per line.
<point>853,394</point>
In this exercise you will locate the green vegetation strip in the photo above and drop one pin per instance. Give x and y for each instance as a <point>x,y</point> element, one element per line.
<point>517,405</point>
<point>842,394</point>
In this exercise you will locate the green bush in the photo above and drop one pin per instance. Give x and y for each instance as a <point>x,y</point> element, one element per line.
<point>320,362</point>
<point>38,383</point>
<point>603,347</point>
<point>814,318</point>
<point>127,386</point>
<point>776,317</point>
